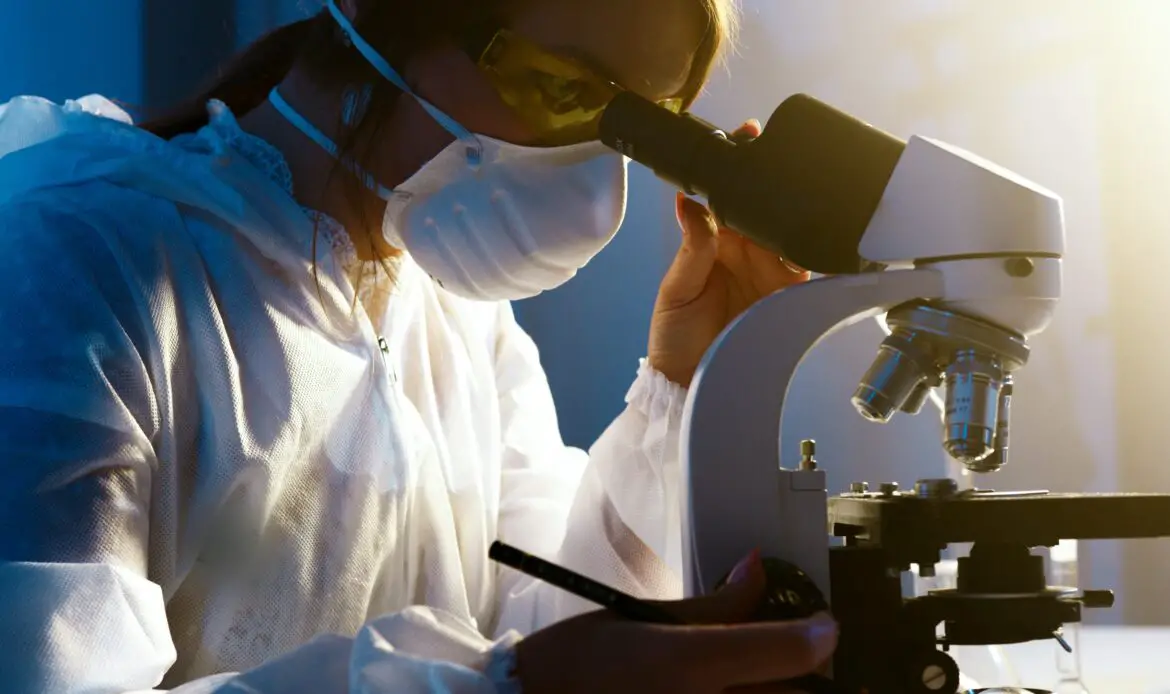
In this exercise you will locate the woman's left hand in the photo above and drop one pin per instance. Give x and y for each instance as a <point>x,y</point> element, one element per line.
<point>716,275</point>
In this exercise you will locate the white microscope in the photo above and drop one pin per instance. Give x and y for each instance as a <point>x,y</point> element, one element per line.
<point>963,258</point>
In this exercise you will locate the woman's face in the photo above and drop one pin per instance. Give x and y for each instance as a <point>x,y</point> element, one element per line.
<point>646,46</point>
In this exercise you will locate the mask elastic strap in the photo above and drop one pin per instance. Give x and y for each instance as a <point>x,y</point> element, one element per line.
<point>310,131</point>
<point>379,63</point>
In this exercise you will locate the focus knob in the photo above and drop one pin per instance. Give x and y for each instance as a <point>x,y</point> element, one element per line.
<point>790,593</point>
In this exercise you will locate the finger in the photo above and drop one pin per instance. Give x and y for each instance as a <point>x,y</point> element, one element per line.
<point>749,130</point>
<point>769,272</point>
<point>805,684</point>
<point>733,256</point>
<point>769,688</point>
<point>688,273</point>
<point>727,656</point>
<point>736,602</point>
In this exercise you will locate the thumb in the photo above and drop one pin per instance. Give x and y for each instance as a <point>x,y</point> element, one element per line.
<point>736,602</point>
<point>687,276</point>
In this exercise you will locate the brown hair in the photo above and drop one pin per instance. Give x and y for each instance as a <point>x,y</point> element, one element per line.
<point>397,29</point>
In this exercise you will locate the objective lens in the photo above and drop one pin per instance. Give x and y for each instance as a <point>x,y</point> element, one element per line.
<point>999,456</point>
<point>920,395</point>
<point>973,385</point>
<point>902,372</point>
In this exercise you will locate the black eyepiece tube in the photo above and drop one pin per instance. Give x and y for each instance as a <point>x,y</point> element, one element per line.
<point>806,188</point>
<point>681,149</point>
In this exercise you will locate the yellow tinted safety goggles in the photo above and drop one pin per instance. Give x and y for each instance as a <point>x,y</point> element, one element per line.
<point>557,97</point>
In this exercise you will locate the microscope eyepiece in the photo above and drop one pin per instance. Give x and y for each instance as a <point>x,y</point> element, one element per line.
<point>805,189</point>
<point>683,150</point>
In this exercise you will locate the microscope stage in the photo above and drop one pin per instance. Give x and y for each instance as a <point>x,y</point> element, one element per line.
<point>905,524</point>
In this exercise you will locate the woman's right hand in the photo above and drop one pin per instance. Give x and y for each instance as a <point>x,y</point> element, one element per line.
<point>716,652</point>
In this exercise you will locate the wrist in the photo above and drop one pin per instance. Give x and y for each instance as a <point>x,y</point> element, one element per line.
<point>655,395</point>
<point>677,375</point>
<point>652,386</point>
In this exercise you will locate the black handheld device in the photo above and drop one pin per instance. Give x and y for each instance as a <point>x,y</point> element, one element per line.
<point>621,603</point>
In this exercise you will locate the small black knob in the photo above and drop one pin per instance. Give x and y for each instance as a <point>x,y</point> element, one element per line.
<point>1097,599</point>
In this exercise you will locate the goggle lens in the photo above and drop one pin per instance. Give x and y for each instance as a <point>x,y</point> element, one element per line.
<point>559,99</point>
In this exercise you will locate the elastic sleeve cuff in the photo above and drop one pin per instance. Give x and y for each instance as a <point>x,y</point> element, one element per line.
<point>500,667</point>
<point>654,395</point>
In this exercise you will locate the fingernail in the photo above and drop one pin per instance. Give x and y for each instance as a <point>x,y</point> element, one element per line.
<point>744,568</point>
<point>755,123</point>
<point>688,207</point>
<point>793,268</point>
<point>689,202</point>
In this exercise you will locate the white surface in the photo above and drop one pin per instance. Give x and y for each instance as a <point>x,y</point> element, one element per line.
<point>1114,660</point>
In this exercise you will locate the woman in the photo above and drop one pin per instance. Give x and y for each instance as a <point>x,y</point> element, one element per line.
<point>263,402</point>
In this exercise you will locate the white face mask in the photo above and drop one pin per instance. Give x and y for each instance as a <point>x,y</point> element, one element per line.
<point>488,219</point>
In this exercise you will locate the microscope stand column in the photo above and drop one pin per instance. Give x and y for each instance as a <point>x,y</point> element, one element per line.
<point>736,496</point>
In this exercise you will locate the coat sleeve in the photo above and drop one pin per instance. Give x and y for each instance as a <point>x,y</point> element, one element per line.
<point>79,610</point>
<point>612,514</point>
<point>76,420</point>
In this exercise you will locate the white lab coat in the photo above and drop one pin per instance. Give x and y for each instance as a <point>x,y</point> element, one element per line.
<point>208,462</point>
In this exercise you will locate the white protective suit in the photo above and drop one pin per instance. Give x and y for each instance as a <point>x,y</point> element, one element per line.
<point>208,461</point>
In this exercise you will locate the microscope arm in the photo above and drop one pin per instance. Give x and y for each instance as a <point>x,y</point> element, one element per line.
<point>736,497</point>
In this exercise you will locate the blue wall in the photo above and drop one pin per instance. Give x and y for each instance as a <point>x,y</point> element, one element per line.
<point>69,48</point>
<point>593,330</point>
